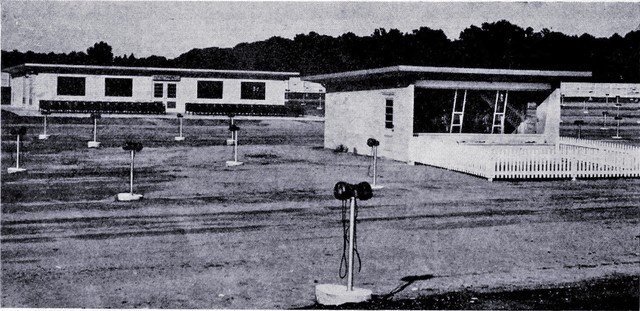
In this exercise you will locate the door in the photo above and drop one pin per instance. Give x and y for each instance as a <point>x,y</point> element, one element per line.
<point>388,141</point>
<point>166,92</point>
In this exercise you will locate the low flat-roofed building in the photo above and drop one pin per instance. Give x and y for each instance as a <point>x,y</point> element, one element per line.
<point>101,88</point>
<point>463,119</point>
<point>306,96</point>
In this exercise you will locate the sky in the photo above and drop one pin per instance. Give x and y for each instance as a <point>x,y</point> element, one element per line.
<point>170,28</point>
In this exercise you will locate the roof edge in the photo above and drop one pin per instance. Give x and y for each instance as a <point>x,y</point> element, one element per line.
<point>450,70</point>
<point>97,67</point>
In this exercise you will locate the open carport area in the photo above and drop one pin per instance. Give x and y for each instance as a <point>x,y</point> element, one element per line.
<point>263,234</point>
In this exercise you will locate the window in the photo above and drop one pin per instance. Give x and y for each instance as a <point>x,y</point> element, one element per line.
<point>252,90</point>
<point>118,87</point>
<point>171,90</point>
<point>72,86</point>
<point>158,90</point>
<point>388,117</point>
<point>209,89</point>
<point>171,105</point>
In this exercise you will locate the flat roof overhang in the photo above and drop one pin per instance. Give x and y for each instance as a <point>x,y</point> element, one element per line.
<point>482,85</point>
<point>31,68</point>
<point>430,77</point>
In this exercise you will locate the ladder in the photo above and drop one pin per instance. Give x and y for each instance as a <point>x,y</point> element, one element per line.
<point>499,111</point>
<point>457,114</point>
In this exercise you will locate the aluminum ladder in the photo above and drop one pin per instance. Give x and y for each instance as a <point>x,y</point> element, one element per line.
<point>458,115</point>
<point>499,112</point>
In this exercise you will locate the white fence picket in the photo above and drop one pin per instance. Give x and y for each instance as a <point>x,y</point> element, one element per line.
<point>573,158</point>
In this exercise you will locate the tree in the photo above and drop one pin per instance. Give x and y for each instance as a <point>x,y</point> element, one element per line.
<point>100,54</point>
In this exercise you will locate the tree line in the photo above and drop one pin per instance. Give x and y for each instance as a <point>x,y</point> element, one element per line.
<point>492,45</point>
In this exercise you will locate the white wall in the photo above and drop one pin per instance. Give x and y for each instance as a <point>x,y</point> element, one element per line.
<point>6,79</point>
<point>17,91</point>
<point>353,117</point>
<point>188,89</point>
<point>45,88</point>
<point>296,85</point>
<point>548,114</point>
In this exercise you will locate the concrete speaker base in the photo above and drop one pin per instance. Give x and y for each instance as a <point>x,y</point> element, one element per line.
<point>616,137</point>
<point>604,128</point>
<point>335,295</point>
<point>125,197</point>
<point>12,170</point>
<point>43,136</point>
<point>93,144</point>
<point>178,138</point>
<point>234,163</point>
<point>376,187</point>
<point>230,142</point>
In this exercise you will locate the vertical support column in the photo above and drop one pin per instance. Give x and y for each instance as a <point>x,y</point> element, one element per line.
<point>180,137</point>
<point>131,174</point>
<point>232,134</point>
<point>234,138</point>
<point>133,147</point>
<point>375,165</point>
<point>18,152</point>
<point>95,144</point>
<point>44,136</point>
<point>18,132</point>
<point>235,145</point>
<point>352,217</point>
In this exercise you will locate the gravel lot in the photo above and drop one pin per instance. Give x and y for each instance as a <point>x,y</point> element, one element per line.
<point>262,235</point>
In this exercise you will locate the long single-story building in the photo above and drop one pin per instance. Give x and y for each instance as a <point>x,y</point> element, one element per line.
<point>463,119</point>
<point>82,88</point>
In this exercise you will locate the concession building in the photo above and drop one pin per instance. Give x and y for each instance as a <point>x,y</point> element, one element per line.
<point>494,123</point>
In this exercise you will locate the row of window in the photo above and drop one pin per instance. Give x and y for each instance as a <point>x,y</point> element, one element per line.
<point>123,87</point>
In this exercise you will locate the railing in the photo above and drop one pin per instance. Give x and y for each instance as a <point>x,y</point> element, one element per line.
<point>600,89</point>
<point>66,106</point>
<point>570,142</point>
<point>572,158</point>
<point>243,109</point>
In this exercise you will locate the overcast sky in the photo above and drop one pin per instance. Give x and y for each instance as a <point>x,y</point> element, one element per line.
<point>170,28</point>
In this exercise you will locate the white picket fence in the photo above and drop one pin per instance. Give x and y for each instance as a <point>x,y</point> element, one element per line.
<point>571,158</point>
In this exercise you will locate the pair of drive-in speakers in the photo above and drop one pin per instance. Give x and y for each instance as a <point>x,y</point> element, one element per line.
<point>344,191</point>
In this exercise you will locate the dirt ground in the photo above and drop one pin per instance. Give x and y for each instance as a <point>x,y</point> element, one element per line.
<point>262,235</point>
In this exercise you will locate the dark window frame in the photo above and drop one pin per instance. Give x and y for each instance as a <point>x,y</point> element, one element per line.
<point>158,90</point>
<point>172,90</point>
<point>388,113</point>
<point>210,89</point>
<point>118,87</point>
<point>253,90</point>
<point>71,86</point>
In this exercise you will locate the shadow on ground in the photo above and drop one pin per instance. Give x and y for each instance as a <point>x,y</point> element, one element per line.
<point>614,293</point>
